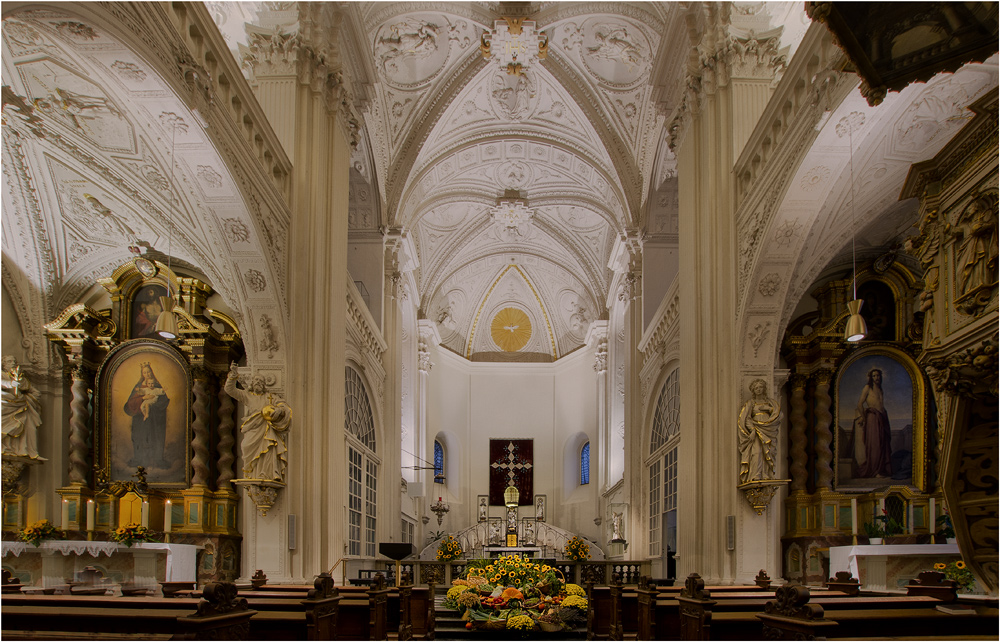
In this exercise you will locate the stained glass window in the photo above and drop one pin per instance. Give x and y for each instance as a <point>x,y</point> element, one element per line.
<point>438,463</point>
<point>585,464</point>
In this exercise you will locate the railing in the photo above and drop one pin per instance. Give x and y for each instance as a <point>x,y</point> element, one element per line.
<point>599,572</point>
<point>343,570</point>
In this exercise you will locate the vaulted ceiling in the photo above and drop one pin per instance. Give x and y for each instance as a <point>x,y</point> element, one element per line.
<point>452,132</point>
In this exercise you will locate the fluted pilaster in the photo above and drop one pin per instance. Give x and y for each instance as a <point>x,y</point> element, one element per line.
<point>824,433</point>
<point>79,428</point>
<point>797,434</point>
<point>227,441</point>
<point>199,428</point>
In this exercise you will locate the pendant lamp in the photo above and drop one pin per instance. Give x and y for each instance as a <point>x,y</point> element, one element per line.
<point>856,329</point>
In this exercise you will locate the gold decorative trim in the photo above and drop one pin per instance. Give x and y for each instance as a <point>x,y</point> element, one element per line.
<point>538,299</point>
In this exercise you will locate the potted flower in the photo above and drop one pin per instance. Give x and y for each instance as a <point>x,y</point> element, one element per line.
<point>959,572</point>
<point>945,528</point>
<point>577,550</point>
<point>132,534</point>
<point>880,527</point>
<point>40,531</point>
<point>449,549</point>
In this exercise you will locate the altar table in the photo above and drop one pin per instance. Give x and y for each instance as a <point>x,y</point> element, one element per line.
<point>878,561</point>
<point>144,565</point>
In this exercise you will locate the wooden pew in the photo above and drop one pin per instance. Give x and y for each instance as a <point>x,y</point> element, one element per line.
<point>285,615</point>
<point>220,614</point>
<point>730,613</point>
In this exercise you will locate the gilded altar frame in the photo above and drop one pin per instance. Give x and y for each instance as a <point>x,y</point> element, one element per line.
<point>117,380</point>
<point>906,403</point>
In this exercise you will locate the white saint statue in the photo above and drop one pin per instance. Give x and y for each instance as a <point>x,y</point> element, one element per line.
<point>21,413</point>
<point>266,418</point>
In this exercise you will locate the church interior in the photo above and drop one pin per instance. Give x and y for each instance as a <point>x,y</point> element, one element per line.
<point>641,289</point>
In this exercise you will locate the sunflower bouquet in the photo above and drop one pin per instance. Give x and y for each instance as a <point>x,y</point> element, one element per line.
<point>959,572</point>
<point>40,531</point>
<point>577,550</point>
<point>449,549</point>
<point>131,534</point>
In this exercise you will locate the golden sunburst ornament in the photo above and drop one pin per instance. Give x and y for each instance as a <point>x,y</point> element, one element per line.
<point>511,329</point>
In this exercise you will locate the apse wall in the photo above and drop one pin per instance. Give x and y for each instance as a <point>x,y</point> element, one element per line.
<point>550,403</point>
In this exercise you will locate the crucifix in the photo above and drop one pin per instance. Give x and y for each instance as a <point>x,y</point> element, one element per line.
<point>510,465</point>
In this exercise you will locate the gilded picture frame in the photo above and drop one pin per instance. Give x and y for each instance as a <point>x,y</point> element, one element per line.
<point>143,414</point>
<point>877,446</point>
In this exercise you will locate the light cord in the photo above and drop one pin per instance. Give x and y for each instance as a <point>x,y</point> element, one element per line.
<point>854,252</point>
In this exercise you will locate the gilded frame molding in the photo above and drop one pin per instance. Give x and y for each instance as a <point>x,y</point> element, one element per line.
<point>846,382</point>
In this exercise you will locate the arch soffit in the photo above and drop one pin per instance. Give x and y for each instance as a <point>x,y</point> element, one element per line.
<point>813,219</point>
<point>137,80</point>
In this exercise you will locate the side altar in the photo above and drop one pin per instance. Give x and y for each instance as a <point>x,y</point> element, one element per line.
<point>143,565</point>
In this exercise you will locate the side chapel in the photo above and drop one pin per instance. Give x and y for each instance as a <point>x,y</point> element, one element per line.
<point>286,281</point>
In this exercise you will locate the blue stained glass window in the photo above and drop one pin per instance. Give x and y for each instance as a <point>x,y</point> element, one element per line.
<point>438,463</point>
<point>585,464</point>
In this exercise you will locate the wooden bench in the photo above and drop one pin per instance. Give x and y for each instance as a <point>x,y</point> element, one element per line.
<point>220,614</point>
<point>310,614</point>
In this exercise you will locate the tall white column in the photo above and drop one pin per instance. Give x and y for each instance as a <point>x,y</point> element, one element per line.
<point>729,88</point>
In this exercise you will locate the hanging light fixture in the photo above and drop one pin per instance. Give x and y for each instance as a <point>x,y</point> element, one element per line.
<point>166,322</point>
<point>856,329</point>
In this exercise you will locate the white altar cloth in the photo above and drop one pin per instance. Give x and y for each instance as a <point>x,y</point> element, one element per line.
<point>845,558</point>
<point>181,559</point>
<point>71,547</point>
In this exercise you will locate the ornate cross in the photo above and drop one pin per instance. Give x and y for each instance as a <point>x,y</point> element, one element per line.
<point>510,464</point>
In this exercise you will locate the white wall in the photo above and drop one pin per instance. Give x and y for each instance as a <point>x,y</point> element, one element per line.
<point>549,403</point>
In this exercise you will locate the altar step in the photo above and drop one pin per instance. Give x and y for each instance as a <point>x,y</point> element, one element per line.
<point>449,625</point>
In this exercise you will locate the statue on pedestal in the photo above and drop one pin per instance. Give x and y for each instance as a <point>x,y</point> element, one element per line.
<point>266,418</point>
<point>758,434</point>
<point>21,413</point>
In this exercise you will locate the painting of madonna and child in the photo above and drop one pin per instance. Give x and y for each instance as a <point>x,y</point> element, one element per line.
<point>878,422</point>
<point>147,409</point>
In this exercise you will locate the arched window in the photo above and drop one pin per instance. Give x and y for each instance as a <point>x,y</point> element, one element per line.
<point>667,416</point>
<point>438,462</point>
<point>362,466</point>
<point>585,464</point>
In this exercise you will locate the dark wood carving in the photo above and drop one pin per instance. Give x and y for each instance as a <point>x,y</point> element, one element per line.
<point>933,584</point>
<point>695,608</point>
<point>845,583</point>
<point>790,616</point>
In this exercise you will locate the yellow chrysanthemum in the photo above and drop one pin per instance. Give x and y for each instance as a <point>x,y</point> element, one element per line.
<point>575,601</point>
<point>575,589</point>
<point>520,622</point>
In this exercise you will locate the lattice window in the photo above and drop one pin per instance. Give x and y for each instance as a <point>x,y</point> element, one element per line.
<point>358,420</point>
<point>655,508</point>
<point>585,464</point>
<point>670,497</point>
<point>354,488</point>
<point>438,462</point>
<point>667,416</point>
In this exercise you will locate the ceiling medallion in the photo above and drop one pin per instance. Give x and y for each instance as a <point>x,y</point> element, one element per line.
<point>514,44</point>
<point>511,214</point>
<point>510,329</point>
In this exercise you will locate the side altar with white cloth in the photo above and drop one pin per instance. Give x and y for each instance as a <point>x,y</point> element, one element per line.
<point>889,567</point>
<point>143,565</point>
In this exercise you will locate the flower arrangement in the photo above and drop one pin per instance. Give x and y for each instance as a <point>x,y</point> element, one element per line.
<point>131,534</point>
<point>39,531</point>
<point>520,623</point>
<point>959,572</point>
<point>518,594</point>
<point>882,526</point>
<point>945,528</point>
<point>449,549</point>
<point>577,549</point>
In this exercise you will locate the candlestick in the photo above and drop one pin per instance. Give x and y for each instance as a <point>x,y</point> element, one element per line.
<point>909,518</point>
<point>65,515</point>
<point>91,521</point>
<point>932,527</point>
<point>168,517</point>
<point>144,515</point>
<point>854,516</point>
